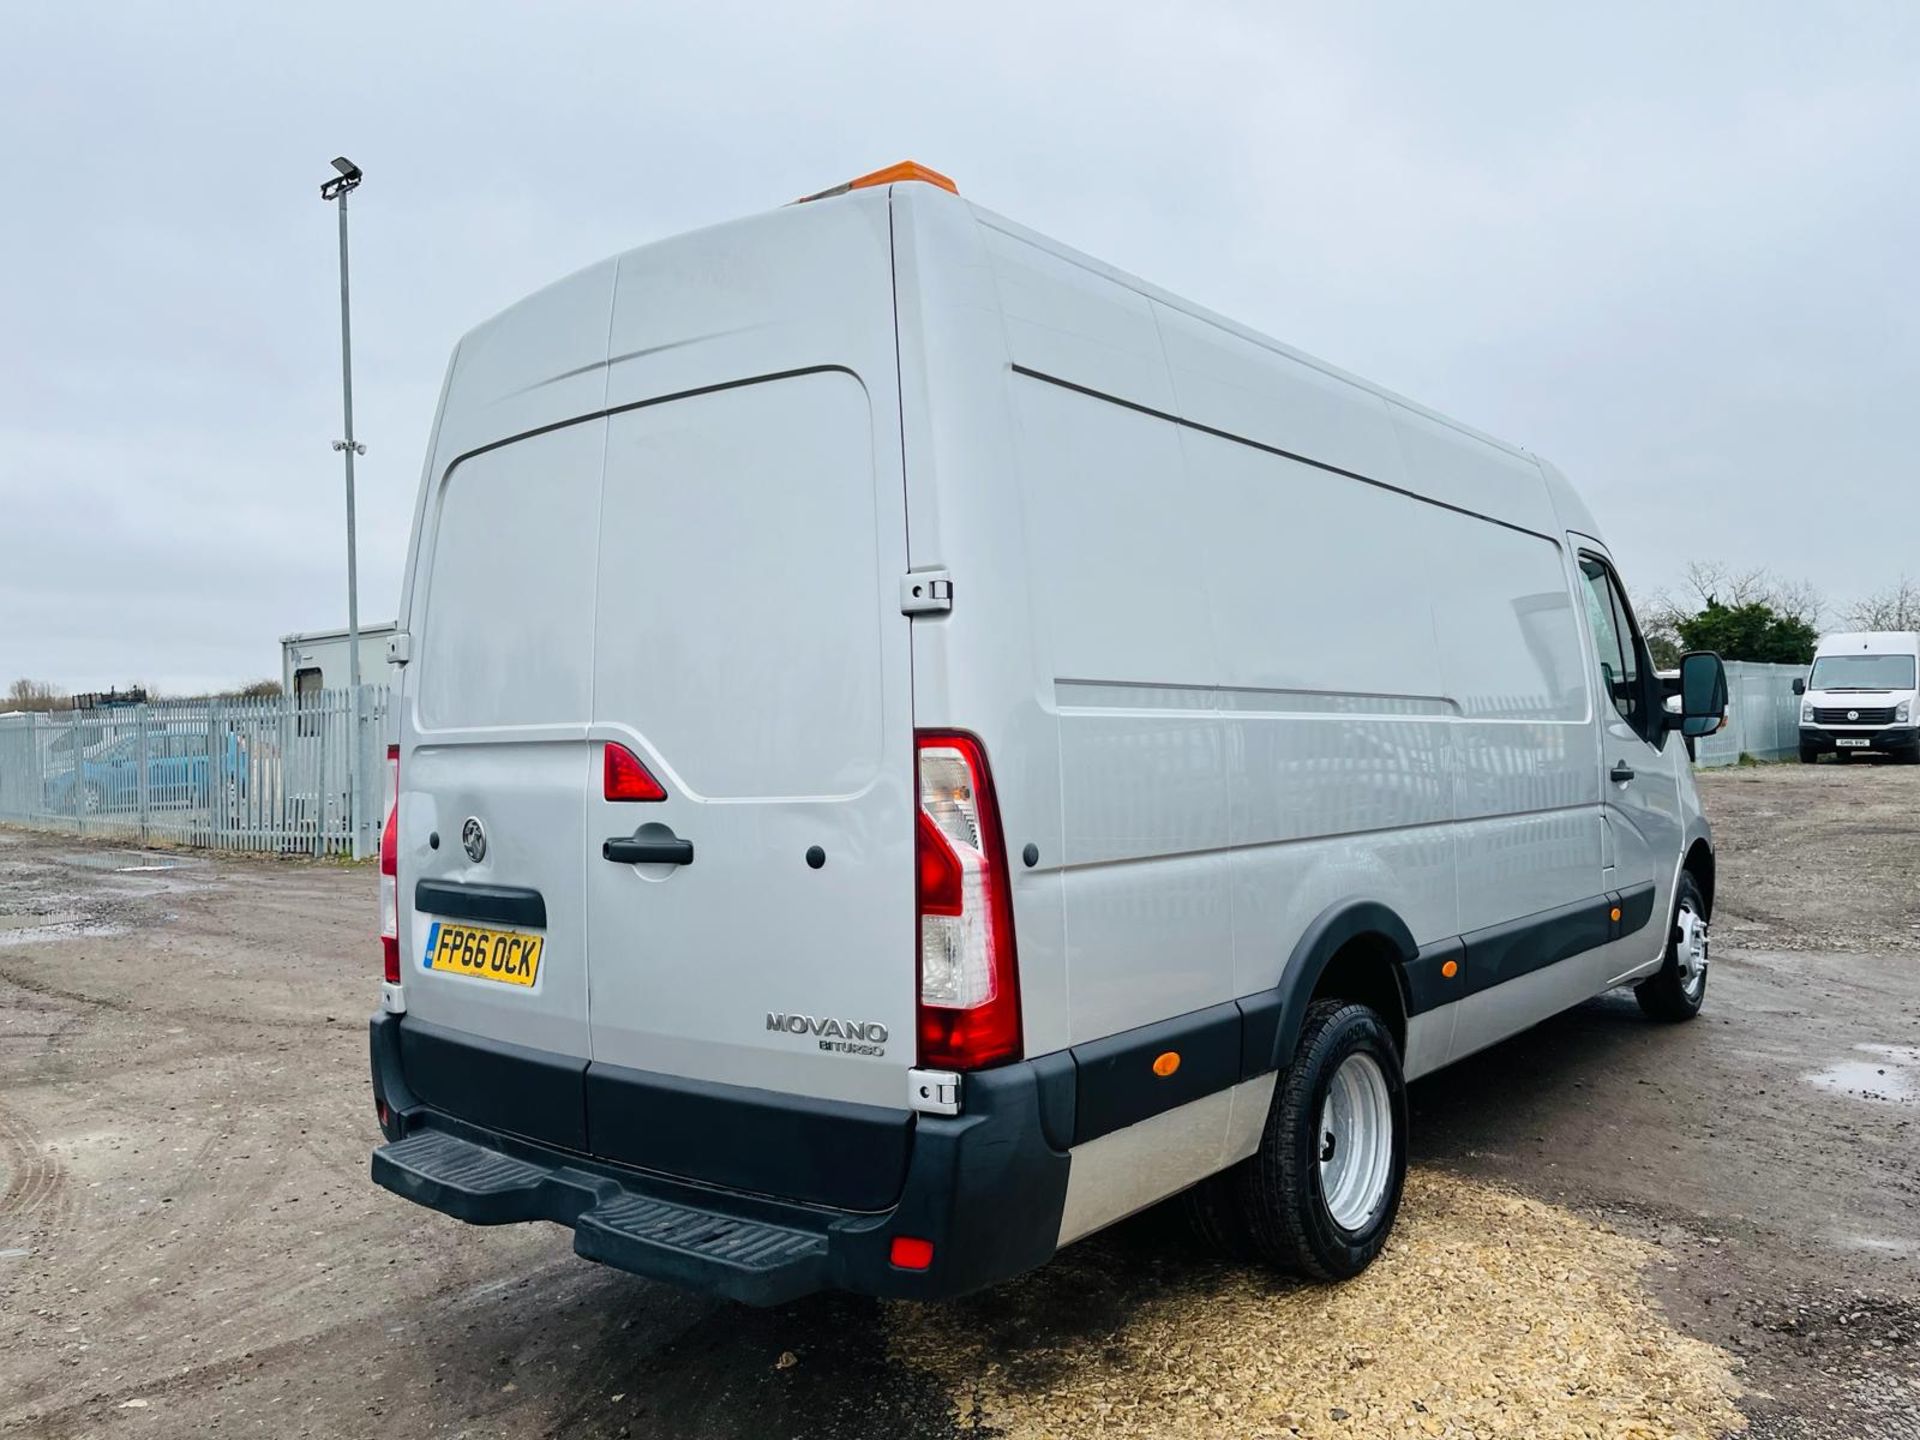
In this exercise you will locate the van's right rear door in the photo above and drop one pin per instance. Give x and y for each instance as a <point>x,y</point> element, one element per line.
<point>749,648</point>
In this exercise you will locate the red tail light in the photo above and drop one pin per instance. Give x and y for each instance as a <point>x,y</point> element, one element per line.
<point>625,778</point>
<point>390,873</point>
<point>969,1014</point>
<point>910,1253</point>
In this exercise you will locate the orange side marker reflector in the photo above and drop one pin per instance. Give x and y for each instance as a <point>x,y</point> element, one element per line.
<point>1164,1065</point>
<point>1616,913</point>
<point>1450,969</point>
<point>905,170</point>
<point>908,1253</point>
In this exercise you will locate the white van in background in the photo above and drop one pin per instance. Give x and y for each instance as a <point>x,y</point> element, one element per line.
<point>1860,697</point>
<point>1861,694</point>
<point>913,745</point>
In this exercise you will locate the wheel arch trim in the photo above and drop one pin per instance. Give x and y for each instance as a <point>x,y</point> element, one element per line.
<point>1272,1019</point>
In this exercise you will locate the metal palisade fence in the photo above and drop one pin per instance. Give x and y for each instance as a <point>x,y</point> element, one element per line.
<point>1763,716</point>
<point>267,775</point>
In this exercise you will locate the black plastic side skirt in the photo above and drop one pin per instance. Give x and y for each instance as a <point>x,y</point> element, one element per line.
<point>1636,909</point>
<point>1430,984</point>
<point>1119,1085</point>
<point>1507,951</point>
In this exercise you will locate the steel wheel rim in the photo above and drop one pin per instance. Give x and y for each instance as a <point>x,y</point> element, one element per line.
<point>1356,1143</point>
<point>1691,950</point>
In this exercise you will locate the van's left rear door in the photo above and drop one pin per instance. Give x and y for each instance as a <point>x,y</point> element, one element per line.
<point>493,780</point>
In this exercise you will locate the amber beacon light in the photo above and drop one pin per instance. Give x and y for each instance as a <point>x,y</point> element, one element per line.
<point>905,170</point>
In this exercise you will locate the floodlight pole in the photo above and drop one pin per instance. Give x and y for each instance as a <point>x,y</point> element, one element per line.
<point>337,190</point>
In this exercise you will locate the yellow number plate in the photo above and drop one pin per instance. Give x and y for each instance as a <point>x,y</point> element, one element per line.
<point>508,956</point>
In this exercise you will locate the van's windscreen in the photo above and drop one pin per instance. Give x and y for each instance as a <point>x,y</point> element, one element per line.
<point>1862,672</point>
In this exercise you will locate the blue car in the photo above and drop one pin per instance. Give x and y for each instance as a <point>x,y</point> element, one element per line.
<point>178,774</point>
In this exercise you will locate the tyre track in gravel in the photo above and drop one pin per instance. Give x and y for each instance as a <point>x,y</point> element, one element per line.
<point>37,1197</point>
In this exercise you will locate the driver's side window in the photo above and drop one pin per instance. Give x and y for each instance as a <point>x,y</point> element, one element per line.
<point>1616,643</point>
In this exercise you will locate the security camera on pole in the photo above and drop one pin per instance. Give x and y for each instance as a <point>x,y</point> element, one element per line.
<point>337,189</point>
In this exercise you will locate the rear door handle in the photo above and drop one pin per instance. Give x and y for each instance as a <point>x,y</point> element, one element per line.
<point>1622,772</point>
<point>667,849</point>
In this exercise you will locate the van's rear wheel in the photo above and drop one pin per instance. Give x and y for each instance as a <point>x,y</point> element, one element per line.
<point>1678,988</point>
<point>1320,1195</point>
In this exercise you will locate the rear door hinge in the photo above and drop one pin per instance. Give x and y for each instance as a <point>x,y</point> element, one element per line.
<point>399,648</point>
<point>926,592</point>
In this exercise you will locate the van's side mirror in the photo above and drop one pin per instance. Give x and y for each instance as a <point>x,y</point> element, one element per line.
<point>1703,693</point>
<point>1799,687</point>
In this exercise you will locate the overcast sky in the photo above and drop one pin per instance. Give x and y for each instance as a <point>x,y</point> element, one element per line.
<point>1672,248</point>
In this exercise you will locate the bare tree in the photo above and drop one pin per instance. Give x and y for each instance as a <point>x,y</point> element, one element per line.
<point>1712,580</point>
<point>1661,611</point>
<point>1660,616</point>
<point>26,694</point>
<point>1895,608</point>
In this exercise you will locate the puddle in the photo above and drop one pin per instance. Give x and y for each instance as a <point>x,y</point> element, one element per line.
<point>35,922</point>
<point>130,862</point>
<point>32,929</point>
<point>1890,1074</point>
<point>1878,1244</point>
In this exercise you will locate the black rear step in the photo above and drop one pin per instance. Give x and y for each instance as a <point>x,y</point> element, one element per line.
<point>744,1259</point>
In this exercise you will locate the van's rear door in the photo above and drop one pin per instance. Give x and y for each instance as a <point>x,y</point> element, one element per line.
<point>494,780</point>
<point>750,650</point>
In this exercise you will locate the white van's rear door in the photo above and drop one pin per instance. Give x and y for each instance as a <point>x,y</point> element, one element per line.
<point>749,649</point>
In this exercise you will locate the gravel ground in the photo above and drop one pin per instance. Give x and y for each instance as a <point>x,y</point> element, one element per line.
<point>1612,1228</point>
<point>1818,857</point>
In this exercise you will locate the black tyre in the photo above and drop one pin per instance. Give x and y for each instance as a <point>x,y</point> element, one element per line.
<point>1809,755</point>
<point>1678,989</point>
<point>1320,1195</point>
<point>1213,1213</point>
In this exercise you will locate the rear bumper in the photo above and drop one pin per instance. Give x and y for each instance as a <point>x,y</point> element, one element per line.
<point>1895,740</point>
<point>987,1188</point>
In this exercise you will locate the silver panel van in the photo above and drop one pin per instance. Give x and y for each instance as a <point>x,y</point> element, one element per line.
<point>913,745</point>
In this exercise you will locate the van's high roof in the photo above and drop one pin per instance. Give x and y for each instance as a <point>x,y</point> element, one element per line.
<point>880,182</point>
<point>1870,642</point>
